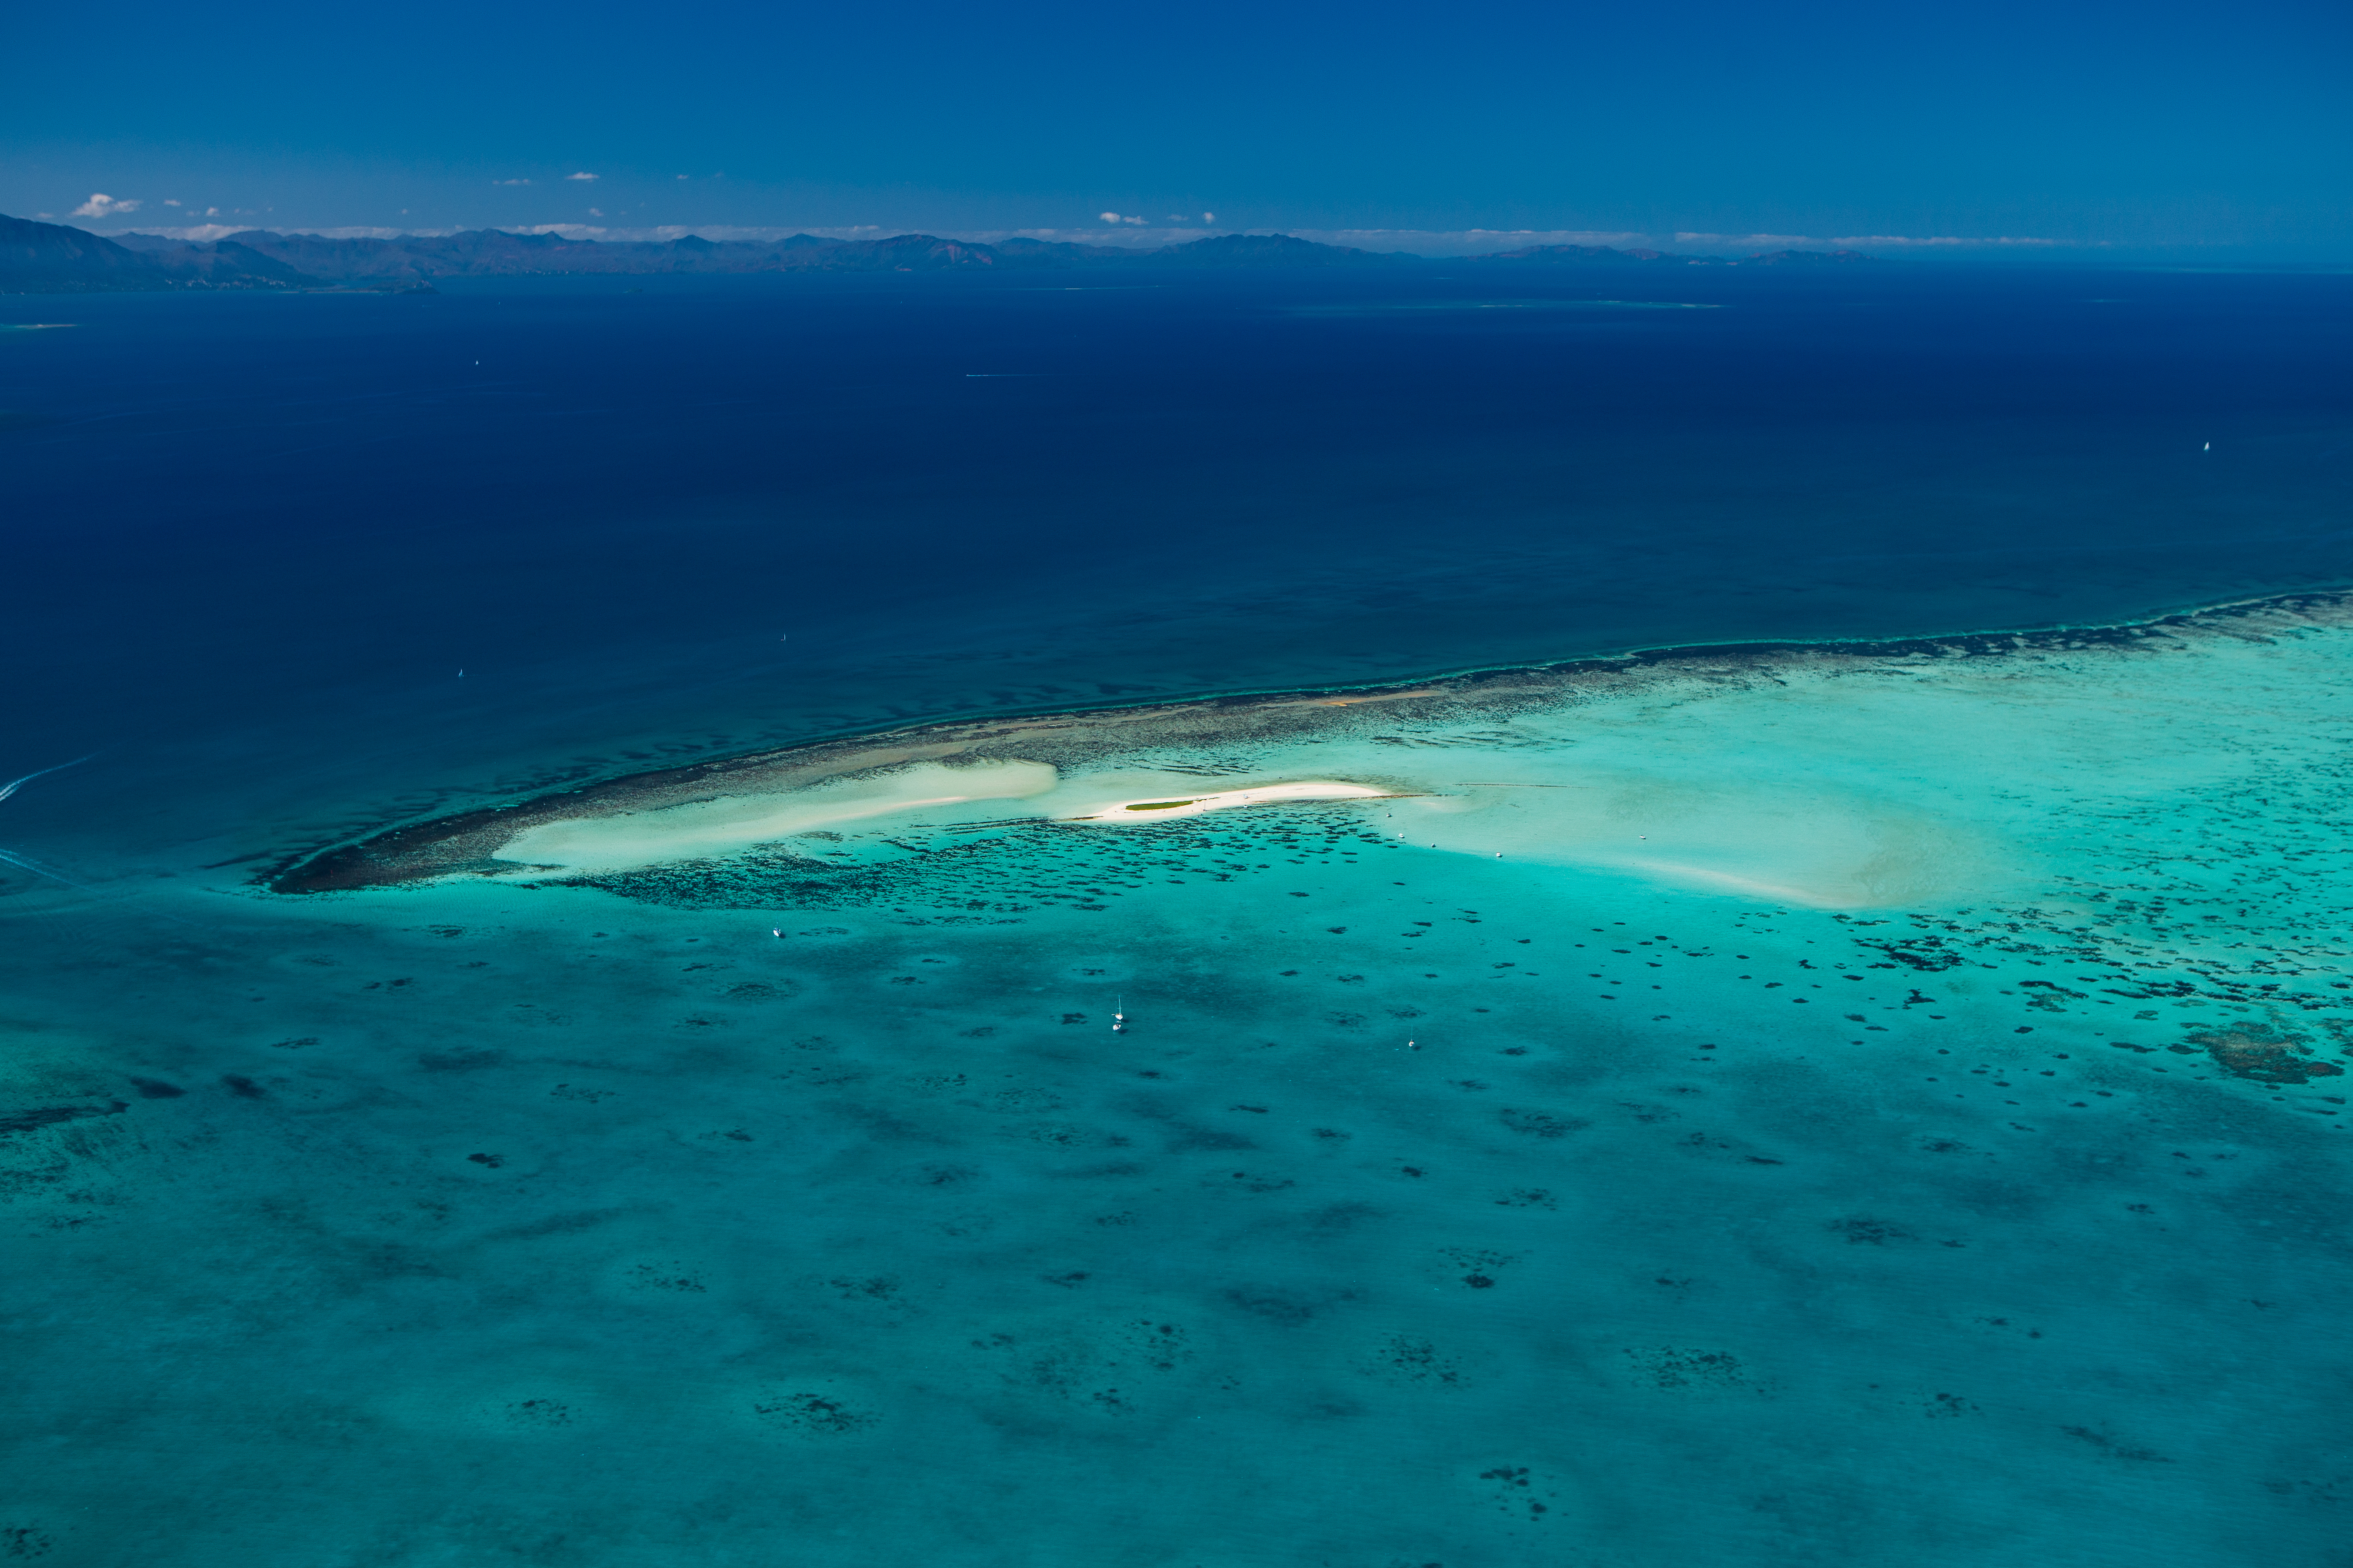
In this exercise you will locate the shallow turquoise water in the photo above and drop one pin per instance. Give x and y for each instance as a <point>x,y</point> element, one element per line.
<point>1856,1108</point>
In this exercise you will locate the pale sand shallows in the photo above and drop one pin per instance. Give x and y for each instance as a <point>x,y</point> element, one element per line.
<point>732,824</point>
<point>1162,807</point>
<point>1880,856</point>
<point>704,829</point>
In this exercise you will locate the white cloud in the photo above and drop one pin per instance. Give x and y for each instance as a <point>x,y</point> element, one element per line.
<point>1421,242</point>
<point>1851,241</point>
<point>1945,239</point>
<point>101,205</point>
<point>170,201</point>
<point>1108,217</point>
<point>199,231</point>
<point>707,231</point>
<point>595,212</point>
<point>584,174</point>
<point>1208,217</point>
<point>509,182</point>
<point>1684,236</point>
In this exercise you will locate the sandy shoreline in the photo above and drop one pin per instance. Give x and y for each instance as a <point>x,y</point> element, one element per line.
<point>472,841</point>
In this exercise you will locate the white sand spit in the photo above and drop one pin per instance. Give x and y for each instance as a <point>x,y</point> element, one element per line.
<point>1161,808</point>
<point>734,823</point>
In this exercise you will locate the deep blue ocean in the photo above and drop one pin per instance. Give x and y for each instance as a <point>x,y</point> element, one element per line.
<point>255,536</point>
<point>1842,1107</point>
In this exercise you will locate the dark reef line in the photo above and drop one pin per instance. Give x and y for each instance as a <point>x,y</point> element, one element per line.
<point>465,841</point>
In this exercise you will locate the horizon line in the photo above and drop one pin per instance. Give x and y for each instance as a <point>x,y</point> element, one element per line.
<point>1437,242</point>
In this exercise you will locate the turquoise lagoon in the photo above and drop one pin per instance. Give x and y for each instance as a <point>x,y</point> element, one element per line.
<point>1852,1103</point>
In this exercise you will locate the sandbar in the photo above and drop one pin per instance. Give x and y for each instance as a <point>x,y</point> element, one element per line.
<point>730,823</point>
<point>1164,808</point>
<point>479,839</point>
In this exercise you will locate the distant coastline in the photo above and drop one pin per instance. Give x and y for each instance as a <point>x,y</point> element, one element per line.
<point>55,258</point>
<point>458,842</point>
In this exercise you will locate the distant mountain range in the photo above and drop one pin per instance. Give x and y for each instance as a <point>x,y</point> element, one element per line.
<point>53,258</point>
<point>50,258</point>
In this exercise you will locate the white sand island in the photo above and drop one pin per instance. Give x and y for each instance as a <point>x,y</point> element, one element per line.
<point>1163,807</point>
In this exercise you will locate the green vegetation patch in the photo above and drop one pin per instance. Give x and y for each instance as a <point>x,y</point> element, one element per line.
<point>1159,806</point>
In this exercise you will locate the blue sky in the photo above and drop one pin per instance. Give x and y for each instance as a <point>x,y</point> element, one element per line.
<point>2145,124</point>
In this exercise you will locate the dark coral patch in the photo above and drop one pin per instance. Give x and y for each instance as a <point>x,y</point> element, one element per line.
<point>2264,1055</point>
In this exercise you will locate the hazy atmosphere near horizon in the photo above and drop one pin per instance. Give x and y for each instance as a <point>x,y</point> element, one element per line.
<point>1277,787</point>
